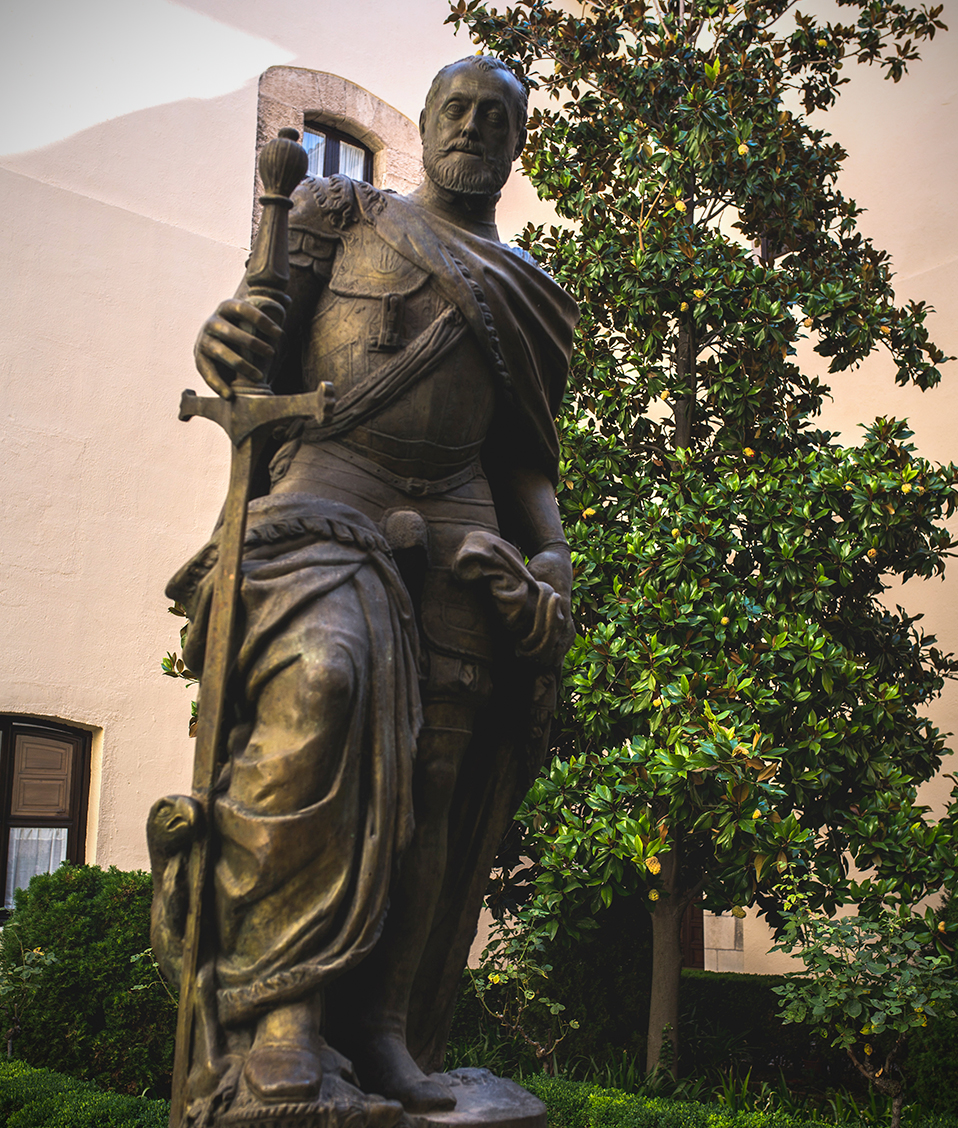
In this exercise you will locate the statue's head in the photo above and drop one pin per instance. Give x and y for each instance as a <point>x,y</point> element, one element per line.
<point>473,126</point>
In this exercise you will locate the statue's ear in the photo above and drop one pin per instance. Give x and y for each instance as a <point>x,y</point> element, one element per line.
<point>520,143</point>
<point>422,124</point>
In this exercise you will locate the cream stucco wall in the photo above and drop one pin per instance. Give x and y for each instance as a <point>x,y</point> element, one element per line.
<point>131,220</point>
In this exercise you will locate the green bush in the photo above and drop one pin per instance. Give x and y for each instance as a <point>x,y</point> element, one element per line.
<point>931,1064</point>
<point>39,1098</point>
<point>577,1104</point>
<point>728,1022</point>
<point>97,1013</point>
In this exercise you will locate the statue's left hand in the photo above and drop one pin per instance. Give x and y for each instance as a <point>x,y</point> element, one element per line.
<point>554,567</point>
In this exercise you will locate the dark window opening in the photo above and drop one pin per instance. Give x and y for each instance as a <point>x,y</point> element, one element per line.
<point>693,937</point>
<point>330,151</point>
<point>44,788</point>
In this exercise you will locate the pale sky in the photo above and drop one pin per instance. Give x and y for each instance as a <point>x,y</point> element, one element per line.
<point>66,65</point>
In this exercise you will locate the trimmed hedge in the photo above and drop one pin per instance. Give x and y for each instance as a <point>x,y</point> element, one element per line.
<point>730,1021</point>
<point>40,1098</point>
<point>95,1014</point>
<point>577,1104</point>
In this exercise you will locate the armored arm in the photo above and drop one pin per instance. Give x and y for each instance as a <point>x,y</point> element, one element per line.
<point>250,339</point>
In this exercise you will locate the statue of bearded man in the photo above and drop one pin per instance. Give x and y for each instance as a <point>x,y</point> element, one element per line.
<point>405,607</point>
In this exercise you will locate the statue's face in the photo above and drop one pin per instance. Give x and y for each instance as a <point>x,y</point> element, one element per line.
<point>470,131</point>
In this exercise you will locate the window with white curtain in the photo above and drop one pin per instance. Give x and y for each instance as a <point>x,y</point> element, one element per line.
<point>330,151</point>
<point>44,783</point>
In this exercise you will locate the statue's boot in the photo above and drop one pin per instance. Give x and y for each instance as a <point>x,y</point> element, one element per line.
<point>385,1066</point>
<point>283,1064</point>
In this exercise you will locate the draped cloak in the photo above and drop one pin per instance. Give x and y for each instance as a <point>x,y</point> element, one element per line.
<point>524,323</point>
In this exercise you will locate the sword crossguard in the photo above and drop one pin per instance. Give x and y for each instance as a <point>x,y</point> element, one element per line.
<point>241,416</point>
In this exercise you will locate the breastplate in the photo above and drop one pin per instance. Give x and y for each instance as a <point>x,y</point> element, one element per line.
<point>376,303</point>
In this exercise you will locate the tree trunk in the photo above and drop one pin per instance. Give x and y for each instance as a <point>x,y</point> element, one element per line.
<point>662,1048</point>
<point>685,372</point>
<point>883,1081</point>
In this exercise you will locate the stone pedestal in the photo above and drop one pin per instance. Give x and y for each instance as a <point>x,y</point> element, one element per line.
<point>483,1101</point>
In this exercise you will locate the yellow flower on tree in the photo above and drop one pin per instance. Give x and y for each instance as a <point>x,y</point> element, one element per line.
<point>653,865</point>
<point>738,912</point>
<point>590,512</point>
<point>653,894</point>
<point>743,150</point>
<point>748,452</point>
<point>680,205</point>
<point>683,307</point>
<point>725,620</point>
<point>699,294</point>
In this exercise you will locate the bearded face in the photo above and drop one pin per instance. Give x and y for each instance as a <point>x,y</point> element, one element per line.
<point>470,131</point>
<point>466,171</point>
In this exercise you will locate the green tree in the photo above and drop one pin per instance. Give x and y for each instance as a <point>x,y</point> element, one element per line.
<point>867,984</point>
<point>738,696</point>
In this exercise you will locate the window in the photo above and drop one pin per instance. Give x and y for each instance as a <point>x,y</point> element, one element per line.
<point>330,151</point>
<point>693,936</point>
<point>44,784</point>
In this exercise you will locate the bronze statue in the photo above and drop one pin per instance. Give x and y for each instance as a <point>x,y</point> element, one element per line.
<point>394,664</point>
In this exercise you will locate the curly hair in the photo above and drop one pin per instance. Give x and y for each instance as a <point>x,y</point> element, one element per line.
<point>486,63</point>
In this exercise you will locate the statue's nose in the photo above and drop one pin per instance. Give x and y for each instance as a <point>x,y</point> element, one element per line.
<point>470,124</point>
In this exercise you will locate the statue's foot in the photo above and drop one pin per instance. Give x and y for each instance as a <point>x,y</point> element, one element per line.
<point>283,1073</point>
<point>386,1067</point>
<point>284,1064</point>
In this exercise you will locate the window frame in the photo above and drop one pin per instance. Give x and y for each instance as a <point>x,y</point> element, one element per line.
<point>11,725</point>
<point>333,138</point>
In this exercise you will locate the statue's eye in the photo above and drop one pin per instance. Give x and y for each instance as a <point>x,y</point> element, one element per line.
<point>454,109</point>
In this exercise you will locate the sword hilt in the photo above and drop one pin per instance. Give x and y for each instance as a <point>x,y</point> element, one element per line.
<point>282,165</point>
<point>247,412</point>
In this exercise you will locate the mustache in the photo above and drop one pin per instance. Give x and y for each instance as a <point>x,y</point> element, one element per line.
<point>470,147</point>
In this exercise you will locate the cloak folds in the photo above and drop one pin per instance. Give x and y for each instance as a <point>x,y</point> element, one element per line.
<point>302,892</point>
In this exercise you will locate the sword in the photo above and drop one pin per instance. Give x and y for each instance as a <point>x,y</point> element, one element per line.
<point>248,418</point>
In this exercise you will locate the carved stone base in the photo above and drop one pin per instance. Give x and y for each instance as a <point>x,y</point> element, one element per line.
<point>339,1105</point>
<point>307,1115</point>
<point>482,1101</point>
<point>313,1114</point>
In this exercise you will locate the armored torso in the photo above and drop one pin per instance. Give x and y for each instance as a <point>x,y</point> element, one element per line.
<point>377,304</point>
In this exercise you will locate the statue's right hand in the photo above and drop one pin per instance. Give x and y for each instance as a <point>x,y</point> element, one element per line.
<point>236,332</point>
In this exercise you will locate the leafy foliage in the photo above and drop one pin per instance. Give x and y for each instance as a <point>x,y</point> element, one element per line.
<point>99,1012</point>
<point>739,698</point>
<point>867,983</point>
<point>19,981</point>
<point>40,1098</point>
<point>174,667</point>
<point>576,1104</point>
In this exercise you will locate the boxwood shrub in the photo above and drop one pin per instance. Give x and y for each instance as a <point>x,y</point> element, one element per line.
<point>96,1013</point>
<point>40,1098</point>
<point>577,1104</point>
